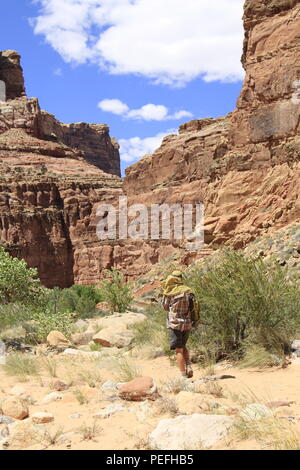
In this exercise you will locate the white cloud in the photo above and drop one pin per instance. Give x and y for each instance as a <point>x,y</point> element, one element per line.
<point>148,112</point>
<point>168,41</point>
<point>113,106</point>
<point>135,148</point>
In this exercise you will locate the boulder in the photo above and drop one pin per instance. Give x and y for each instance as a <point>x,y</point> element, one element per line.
<point>15,407</point>
<point>42,418</point>
<point>57,339</point>
<point>138,389</point>
<point>121,320</point>
<point>190,432</point>
<point>81,339</point>
<point>109,337</point>
<point>296,345</point>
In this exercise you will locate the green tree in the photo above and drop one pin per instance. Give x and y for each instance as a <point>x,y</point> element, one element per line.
<point>18,283</point>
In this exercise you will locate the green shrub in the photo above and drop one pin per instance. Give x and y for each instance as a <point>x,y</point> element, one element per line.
<point>18,283</point>
<point>244,301</point>
<point>46,321</point>
<point>81,300</point>
<point>116,292</point>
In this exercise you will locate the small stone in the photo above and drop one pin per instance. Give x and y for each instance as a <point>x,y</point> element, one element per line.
<point>6,420</point>
<point>42,418</point>
<point>109,411</point>
<point>138,389</point>
<point>60,386</point>
<point>18,391</point>
<point>57,339</point>
<point>75,416</point>
<point>53,396</point>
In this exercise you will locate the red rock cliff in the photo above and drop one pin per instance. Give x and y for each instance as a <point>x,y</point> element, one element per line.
<point>245,166</point>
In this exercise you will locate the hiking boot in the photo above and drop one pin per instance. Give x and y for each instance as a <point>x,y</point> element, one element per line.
<point>189,371</point>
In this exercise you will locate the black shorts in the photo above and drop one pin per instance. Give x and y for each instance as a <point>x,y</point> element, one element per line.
<point>178,339</point>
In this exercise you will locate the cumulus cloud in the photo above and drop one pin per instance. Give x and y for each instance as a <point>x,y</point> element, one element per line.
<point>148,112</point>
<point>113,106</point>
<point>169,41</point>
<point>135,148</point>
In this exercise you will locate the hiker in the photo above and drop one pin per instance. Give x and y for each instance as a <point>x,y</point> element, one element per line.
<point>179,302</point>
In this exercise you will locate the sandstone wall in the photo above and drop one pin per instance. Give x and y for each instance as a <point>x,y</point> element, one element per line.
<point>243,167</point>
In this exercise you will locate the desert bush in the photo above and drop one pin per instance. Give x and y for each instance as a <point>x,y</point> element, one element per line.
<point>116,292</point>
<point>244,301</point>
<point>21,365</point>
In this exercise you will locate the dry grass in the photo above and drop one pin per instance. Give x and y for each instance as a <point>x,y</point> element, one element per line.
<point>166,405</point>
<point>21,366</point>
<point>270,432</point>
<point>176,385</point>
<point>214,389</point>
<point>80,397</point>
<point>125,370</point>
<point>50,365</point>
<point>89,433</point>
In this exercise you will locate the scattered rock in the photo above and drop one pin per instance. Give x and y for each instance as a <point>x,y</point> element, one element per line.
<point>60,386</point>
<point>190,432</point>
<point>75,416</point>
<point>42,418</point>
<point>109,337</point>
<point>57,339</point>
<point>18,391</point>
<point>6,420</point>
<point>296,345</point>
<point>15,408</point>
<point>138,389</point>
<point>255,411</point>
<point>78,352</point>
<point>53,396</point>
<point>109,411</point>
<point>81,339</point>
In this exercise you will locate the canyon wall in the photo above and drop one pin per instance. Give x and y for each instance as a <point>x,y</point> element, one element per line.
<point>244,167</point>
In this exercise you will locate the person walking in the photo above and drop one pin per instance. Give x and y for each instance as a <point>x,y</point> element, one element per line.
<point>183,314</point>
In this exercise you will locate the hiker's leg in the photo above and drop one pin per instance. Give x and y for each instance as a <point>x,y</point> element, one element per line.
<point>186,355</point>
<point>189,370</point>
<point>180,360</point>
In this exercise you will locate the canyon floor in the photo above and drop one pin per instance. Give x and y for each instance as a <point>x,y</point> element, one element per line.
<point>75,426</point>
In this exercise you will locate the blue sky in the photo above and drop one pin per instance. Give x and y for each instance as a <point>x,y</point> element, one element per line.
<point>141,66</point>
